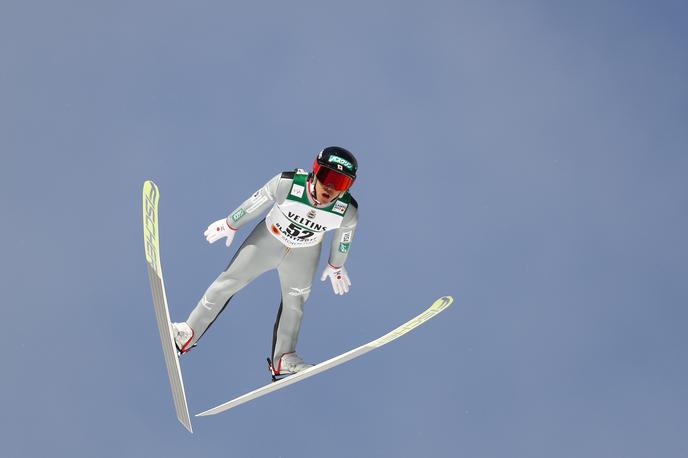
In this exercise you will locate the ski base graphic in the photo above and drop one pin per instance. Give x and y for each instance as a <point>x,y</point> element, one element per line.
<point>151,197</point>
<point>439,305</point>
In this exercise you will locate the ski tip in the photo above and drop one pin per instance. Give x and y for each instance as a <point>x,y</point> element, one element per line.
<point>148,185</point>
<point>443,302</point>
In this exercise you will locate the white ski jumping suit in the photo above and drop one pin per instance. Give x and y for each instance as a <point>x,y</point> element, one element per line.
<point>289,239</point>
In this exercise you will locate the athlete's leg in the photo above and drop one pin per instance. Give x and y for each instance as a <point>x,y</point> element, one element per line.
<point>259,253</point>
<point>296,274</point>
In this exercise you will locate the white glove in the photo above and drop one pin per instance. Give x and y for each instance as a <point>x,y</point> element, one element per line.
<point>219,229</point>
<point>338,277</point>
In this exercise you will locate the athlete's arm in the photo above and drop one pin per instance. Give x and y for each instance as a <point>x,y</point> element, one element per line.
<point>274,190</point>
<point>341,240</point>
<point>339,250</point>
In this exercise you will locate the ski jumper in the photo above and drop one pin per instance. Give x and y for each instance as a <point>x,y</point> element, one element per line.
<point>288,239</point>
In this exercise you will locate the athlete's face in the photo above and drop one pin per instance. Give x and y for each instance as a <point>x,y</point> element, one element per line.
<point>325,193</point>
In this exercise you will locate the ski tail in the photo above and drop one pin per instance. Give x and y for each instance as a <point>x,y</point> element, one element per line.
<point>171,357</point>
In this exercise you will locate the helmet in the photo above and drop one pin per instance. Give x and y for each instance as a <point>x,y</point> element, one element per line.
<point>336,166</point>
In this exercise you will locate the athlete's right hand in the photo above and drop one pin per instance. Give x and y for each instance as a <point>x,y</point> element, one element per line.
<point>219,229</point>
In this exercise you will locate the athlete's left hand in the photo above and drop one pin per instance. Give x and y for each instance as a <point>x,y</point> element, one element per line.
<point>338,277</point>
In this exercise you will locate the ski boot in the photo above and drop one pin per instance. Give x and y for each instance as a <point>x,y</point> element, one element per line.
<point>183,334</point>
<point>288,364</point>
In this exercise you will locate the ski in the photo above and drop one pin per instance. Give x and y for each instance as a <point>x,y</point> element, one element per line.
<point>439,305</point>
<point>151,197</point>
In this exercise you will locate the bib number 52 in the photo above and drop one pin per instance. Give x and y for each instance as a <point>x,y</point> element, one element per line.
<point>294,231</point>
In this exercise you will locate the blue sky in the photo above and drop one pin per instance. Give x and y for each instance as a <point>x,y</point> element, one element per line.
<point>528,158</point>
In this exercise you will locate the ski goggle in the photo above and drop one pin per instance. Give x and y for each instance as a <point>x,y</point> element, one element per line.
<point>337,180</point>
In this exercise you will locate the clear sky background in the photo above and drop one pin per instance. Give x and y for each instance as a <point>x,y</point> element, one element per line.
<point>528,158</point>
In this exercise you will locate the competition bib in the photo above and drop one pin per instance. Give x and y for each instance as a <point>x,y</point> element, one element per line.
<point>296,223</point>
